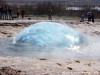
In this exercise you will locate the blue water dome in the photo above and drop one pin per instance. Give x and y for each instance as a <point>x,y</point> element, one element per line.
<point>50,34</point>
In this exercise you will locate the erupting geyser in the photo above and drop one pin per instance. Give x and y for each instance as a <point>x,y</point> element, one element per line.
<point>50,34</point>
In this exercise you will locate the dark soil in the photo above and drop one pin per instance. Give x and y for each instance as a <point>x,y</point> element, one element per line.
<point>10,71</point>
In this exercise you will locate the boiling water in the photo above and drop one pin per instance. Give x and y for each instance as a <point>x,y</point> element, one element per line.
<point>90,51</point>
<point>7,48</point>
<point>50,34</point>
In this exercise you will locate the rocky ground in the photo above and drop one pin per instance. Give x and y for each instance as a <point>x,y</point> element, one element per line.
<point>48,66</point>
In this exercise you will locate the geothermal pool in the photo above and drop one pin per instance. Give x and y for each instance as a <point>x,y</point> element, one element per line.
<point>40,40</point>
<point>90,51</point>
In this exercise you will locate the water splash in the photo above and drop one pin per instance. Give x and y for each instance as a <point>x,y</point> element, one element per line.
<point>50,34</point>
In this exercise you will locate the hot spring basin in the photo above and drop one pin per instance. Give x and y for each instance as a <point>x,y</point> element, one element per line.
<point>50,34</point>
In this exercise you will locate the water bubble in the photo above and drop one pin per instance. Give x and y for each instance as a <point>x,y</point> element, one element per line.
<point>50,34</point>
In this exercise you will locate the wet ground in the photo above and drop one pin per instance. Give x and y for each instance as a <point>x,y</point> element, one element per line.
<point>20,58</point>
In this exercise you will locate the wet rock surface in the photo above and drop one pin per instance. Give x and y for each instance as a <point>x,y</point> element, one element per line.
<point>9,71</point>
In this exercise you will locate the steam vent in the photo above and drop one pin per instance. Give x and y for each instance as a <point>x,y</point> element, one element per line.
<point>50,34</point>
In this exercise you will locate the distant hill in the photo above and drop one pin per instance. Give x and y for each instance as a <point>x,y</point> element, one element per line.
<point>65,2</point>
<point>52,0</point>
